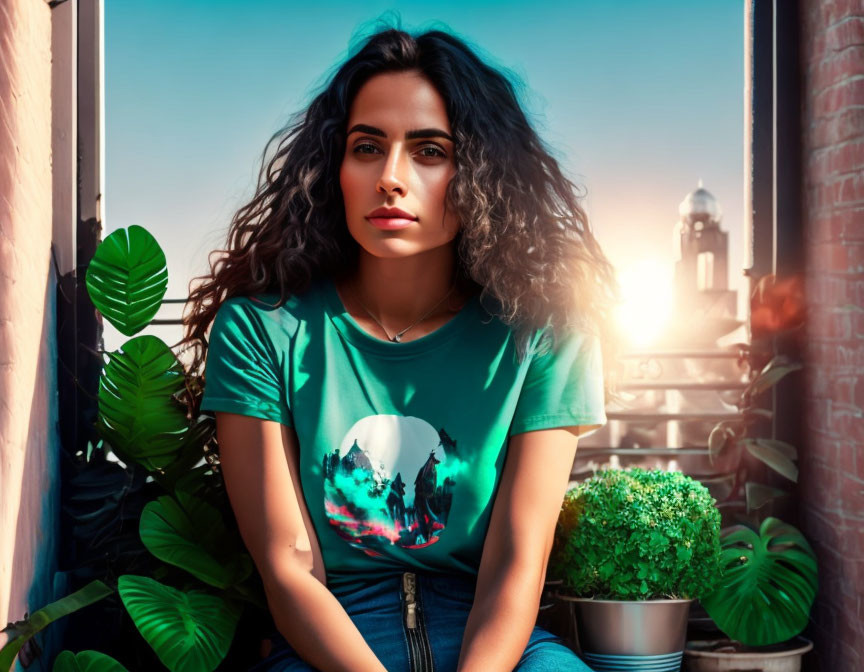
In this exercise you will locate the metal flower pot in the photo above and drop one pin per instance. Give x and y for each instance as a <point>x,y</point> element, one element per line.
<point>706,656</point>
<point>630,634</point>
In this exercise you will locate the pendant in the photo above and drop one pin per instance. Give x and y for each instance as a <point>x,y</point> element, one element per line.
<point>397,338</point>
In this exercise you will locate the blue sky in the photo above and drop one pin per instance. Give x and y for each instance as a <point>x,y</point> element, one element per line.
<point>637,99</point>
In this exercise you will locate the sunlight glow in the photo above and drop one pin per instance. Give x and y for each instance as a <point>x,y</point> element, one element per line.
<point>648,297</point>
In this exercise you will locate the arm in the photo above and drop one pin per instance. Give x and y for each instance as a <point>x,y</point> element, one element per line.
<point>516,550</point>
<point>260,465</point>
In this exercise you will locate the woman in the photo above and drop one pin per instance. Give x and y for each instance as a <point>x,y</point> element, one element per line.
<point>412,296</point>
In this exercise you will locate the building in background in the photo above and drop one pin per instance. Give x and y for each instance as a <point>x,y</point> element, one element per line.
<point>701,279</point>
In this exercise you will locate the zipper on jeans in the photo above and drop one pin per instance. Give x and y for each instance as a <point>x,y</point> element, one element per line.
<point>409,585</point>
<point>419,649</point>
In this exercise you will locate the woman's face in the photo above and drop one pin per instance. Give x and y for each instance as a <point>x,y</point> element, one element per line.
<point>386,165</point>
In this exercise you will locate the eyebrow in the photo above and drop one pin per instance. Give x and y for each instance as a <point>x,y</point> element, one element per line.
<point>409,135</point>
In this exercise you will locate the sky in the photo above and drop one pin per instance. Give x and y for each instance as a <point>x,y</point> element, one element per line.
<point>637,100</point>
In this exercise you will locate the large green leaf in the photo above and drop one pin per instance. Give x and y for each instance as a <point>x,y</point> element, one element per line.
<point>776,454</point>
<point>718,438</point>
<point>190,453</point>
<point>20,631</point>
<point>138,415</point>
<point>86,661</point>
<point>189,631</point>
<point>768,585</point>
<point>772,373</point>
<point>191,535</point>
<point>758,495</point>
<point>127,279</point>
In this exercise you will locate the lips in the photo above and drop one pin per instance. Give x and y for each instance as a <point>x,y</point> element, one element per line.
<point>390,218</point>
<point>390,222</point>
<point>391,212</point>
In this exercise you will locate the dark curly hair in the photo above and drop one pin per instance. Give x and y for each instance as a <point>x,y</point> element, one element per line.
<point>524,244</point>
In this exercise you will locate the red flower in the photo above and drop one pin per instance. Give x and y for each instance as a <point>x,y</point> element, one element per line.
<point>777,305</point>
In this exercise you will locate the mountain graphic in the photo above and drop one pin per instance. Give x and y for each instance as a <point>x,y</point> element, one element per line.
<point>368,508</point>
<point>356,459</point>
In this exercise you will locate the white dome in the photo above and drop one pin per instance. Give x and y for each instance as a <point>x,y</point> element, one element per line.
<point>701,205</point>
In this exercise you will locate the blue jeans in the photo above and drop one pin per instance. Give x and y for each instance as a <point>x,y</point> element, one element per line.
<point>442,605</point>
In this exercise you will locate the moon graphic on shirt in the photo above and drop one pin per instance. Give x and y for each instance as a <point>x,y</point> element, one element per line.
<point>387,483</point>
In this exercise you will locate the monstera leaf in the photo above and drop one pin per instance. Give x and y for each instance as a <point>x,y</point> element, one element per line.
<point>86,661</point>
<point>138,415</point>
<point>189,631</point>
<point>127,279</point>
<point>190,534</point>
<point>768,585</point>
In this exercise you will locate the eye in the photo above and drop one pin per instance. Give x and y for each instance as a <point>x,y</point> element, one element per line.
<point>438,152</point>
<point>369,148</point>
<point>364,144</point>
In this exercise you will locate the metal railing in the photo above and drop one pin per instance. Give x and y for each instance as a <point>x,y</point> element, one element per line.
<point>694,460</point>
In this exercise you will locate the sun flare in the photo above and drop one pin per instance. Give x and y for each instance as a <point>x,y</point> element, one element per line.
<point>648,297</point>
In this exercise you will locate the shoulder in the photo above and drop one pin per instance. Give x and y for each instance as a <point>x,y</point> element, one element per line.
<point>264,310</point>
<point>568,341</point>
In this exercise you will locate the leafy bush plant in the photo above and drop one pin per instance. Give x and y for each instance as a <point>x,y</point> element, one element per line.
<point>636,534</point>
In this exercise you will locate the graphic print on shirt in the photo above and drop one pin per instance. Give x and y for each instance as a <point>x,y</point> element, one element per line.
<point>390,483</point>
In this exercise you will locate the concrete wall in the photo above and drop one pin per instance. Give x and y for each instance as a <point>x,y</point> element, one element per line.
<point>29,439</point>
<point>832,468</point>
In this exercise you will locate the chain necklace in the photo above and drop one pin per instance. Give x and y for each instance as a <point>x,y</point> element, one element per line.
<point>398,337</point>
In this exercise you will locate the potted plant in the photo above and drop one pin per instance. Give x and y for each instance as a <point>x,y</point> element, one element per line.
<point>770,575</point>
<point>762,602</point>
<point>633,549</point>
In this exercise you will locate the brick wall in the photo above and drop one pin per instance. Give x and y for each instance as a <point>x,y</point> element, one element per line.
<point>28,406</point>
<point>831,491</point>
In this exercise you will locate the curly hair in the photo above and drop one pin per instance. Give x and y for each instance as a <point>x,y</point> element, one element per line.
<point>524,245</point>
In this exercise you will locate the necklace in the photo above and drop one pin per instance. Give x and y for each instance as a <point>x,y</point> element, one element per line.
<point>398,337</point>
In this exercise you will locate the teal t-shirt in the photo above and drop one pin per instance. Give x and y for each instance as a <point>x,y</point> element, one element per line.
<point>401,444</point>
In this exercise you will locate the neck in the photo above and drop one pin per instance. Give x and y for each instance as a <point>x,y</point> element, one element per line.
<point>400,290</point>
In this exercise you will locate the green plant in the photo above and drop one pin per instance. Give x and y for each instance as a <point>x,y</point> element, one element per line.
<point>20,631</point>
<point>731,434</point>
<point>635,535</point>
<point>770,575</point>
<point>142,419</point>
<point>768,586</point>
<point>127,279</point>
<point>85,661</point>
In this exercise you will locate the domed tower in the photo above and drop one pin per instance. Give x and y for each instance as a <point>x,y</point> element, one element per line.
<point>706,312</point>
<point>702,252</point>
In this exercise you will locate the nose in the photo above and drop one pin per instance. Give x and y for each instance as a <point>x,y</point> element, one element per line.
<point>391,178</point>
